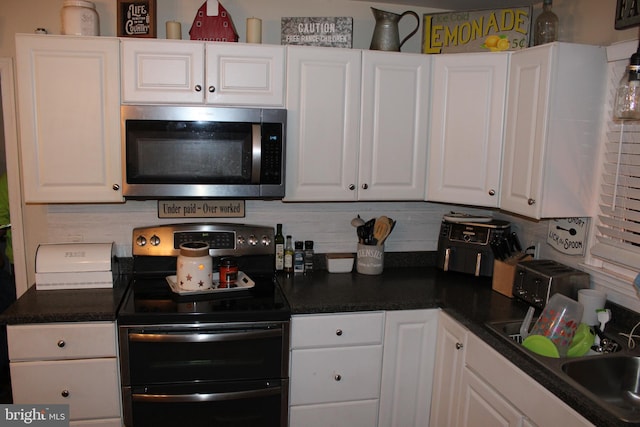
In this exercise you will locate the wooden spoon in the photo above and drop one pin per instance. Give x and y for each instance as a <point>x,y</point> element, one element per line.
<point>381,230</point>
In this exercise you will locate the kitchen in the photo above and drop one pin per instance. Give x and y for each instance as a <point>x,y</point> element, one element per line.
<point>325,223</point>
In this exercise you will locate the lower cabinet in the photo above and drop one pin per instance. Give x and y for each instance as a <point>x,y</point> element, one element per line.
<point>486,389</point>
<point>67,363</point>
<point>362,369</point>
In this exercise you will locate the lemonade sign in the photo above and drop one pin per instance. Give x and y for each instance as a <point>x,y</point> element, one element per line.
<point>477,31</point>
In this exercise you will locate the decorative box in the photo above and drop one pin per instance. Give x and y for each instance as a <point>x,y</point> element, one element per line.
<point>477,30</point>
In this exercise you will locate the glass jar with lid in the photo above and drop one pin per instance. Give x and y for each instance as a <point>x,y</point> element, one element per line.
<point>79,18</point>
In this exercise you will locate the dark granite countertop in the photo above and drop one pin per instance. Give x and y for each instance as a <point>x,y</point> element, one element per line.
<point>62,305</point>
<point>468,299</point>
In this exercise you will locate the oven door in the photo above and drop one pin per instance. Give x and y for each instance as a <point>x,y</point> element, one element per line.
<point>178,374</point>
<point>223,404</point>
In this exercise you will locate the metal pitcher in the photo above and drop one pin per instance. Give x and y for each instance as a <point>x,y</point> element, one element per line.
<point>386,35</point>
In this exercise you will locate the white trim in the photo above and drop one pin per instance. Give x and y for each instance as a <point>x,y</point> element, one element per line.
<point>619,289</point>
<point>621,50</point>
<point>7,83</point>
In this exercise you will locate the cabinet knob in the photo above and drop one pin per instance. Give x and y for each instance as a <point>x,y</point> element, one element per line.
<point>492,192</point>
<point>339,332</point>
<point>65,393</point>
<point>337,377</point>
<point>459,346</point>
<point>365,186</point>
<point>61,343</point>
<point>212,89</point>
<point>116,187</point>
<point>352,187</point>
<point>531,202</point>
<point>198,88</point>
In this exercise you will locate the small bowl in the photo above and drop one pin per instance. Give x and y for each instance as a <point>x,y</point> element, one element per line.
<point>340,262</point>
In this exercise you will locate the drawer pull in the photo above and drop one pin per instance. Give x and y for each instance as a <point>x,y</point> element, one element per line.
<point>337,377</point>
<point>61,343</point>
<point>459,346</point>
<point>339,332</point>
<point>65,393</point>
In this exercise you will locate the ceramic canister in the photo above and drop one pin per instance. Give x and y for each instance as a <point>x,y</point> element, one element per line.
<point>194,267</point>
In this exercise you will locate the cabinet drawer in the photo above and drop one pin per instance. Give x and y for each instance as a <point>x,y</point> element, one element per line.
<point>109,422</point>
<point>335,374</point>
<point>337,330</point>
<point>361,413</point>
<point>61,341</point>
<point>91,386</point>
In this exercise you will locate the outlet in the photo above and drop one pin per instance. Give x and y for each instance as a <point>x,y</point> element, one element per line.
<point>536,249</point>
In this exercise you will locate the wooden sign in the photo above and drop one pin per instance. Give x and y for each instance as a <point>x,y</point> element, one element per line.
<point>324,31</point>
<point>201,209</point>
<point>477,30</point>
<point>137,18</point>
<point>627,14</point>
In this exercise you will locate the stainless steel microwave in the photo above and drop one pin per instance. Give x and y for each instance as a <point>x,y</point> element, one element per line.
<point>203,152</point>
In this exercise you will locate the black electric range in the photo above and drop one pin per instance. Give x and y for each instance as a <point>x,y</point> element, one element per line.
<point>150,300</point>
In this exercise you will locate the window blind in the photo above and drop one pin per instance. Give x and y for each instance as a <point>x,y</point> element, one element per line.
<point>618,226</point>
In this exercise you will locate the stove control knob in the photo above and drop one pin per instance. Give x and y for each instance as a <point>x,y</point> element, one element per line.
<point>266,241</point>
<point>241,240</point>
<point>141,241</point>
<point>253,240</point>
<point>154,240</point>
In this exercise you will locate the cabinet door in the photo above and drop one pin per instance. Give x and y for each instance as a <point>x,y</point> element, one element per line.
<point>69,108</point>
<point>529,80</point>
<point>394,122</point>
<point>240,74</point>
<point>407,369</point>
<point>89,386</point>
<point>450,353</point>
<point>323,117</point>
<point>162,71</point>
<point>357,413</point>
<point>482,406</point>
<point>466,128</point>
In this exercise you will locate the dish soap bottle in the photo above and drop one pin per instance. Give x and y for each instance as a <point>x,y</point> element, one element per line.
<point>546,28</point>
<point>288,256</point>
<point>279,241</point>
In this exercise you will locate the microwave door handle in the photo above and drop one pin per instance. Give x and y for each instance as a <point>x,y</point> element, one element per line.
<point>256,152</point>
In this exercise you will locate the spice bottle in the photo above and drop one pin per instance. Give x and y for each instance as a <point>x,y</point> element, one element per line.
<point>546,27</point>
<point>298,258</point>
<point>279,242</point>
<point>308,256</point>
<point>288,256</point>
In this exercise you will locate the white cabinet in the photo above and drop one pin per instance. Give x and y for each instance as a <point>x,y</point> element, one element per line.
<point>69,110</point>
<point>487,389</point>
<point>67,363</point>
<point>357,124</point>
<point>466,128</point>
<point>407,368</point>
<point>170,71</point>
<point>335,369</point>
<point>450,344</point>
<point>554,106</point>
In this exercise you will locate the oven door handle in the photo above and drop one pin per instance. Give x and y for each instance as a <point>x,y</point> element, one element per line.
<point>205,397</point>
<point>205,337</point>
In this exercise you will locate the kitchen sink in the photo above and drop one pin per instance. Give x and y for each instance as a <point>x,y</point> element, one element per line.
<point>612,379</point>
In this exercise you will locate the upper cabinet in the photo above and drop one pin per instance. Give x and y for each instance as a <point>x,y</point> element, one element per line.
<point>466,128</point>
<point>69,113</point>
<point>554,107</point>
<point>357,124</point>
<point>172,71</point>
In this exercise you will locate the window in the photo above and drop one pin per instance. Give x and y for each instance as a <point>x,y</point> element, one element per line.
<point>618,222</point>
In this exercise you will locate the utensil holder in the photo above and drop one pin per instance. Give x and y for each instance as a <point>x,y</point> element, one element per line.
<point>370,259</point>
